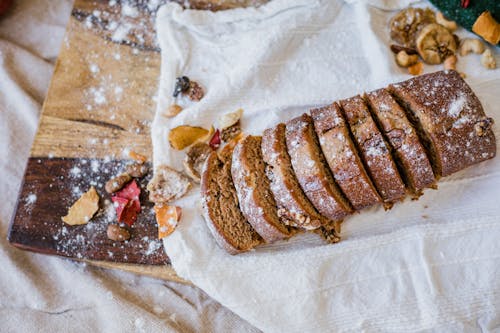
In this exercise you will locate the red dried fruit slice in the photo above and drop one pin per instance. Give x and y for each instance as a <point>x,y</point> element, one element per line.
<point>120,204</point>
<point>126,210</point>
<point>127,203</point>
<point>130,191</point>
<point>129,215</point>
<point>215,140</point>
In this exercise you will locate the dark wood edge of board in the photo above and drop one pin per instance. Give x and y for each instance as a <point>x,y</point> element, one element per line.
<point>51,185</point>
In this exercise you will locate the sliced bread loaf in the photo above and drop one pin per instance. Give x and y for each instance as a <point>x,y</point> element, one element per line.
<point>449,119</point>
<point>254,193</point>
<point>220,206</point>
<point>374,150</point>
<point>342,157</point>
<point>311,169</point>
<point>293,206</point>
<point>406,147</point>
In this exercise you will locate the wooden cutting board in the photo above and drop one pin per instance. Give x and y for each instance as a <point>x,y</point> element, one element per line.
<point>99,106</point>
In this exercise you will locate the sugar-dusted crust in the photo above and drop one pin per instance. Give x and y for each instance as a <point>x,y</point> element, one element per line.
<point>254,194</point>
<point>373,149</point>
<point>293,205</point>
<point>312,171</point>
<point>220,207</point>
<point>449,118</point>
<point>406,147</point>
<point>342,157</point>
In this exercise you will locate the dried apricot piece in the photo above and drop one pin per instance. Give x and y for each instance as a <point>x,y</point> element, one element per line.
<point>83,209</point>
<point>167,218</point>
<point>184,136</point>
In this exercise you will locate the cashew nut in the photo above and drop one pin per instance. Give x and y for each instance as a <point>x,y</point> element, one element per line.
<point>416,69</point>
<point>469,45</point>
<point>450,25</point>
<point>403,59</point>
<point>450,63</point>
<point>487,60</point>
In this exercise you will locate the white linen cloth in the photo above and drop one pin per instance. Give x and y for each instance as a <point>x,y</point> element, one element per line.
<point>431,264</point>
<point>40,293</point>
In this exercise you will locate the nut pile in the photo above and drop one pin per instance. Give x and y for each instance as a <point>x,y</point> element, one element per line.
<point>425,37</point>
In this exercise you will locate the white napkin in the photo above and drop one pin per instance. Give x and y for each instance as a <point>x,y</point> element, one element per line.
<point>427,264</point>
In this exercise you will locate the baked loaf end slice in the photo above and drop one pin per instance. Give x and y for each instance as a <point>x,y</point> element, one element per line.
<point>408,151</point>
<point>342,157</point>
<point>312,171</point>
<point>220,206</point>
<point>449,119</point>
<point>293,206</point>
<point>254,194</point>
<point>374,150</point>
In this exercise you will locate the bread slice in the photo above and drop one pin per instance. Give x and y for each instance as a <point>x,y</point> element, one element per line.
<point>311,169</point>
<point>342,157</point>
<point>374,150</point>
<point>407,150</point>
<point>220,206</point>
<point>254,193</point>
<point>293,206</point>
<point>449,119</point>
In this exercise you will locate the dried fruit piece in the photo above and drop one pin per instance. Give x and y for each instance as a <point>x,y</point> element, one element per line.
<point>403,59</point>
<point>229,119</point>
<point>195,91</point>
<point>435,43</point>
<point>195,158</point>
<point>469,45</point>
<point>127,203</point>
<point>137,170</point>
<point>406,23</point>
<point>167,184</point>
<point>229,124</point>
<point>83,209</point>
<point>137,157</point>
<point>215,140</point>
<point>167,218</point>
<point>181,85</point>
<point>173,110</point>
<point>488,60</point>
<point>487,27</point>
<point>450,25</point>
<point>131,191</point>
<point>126,210</point>
<point>398,48</point>
<point>117,183</point>
<point>450,63</point>
<point>230,132</point>
<point>184,136</point>
<point>117,233</point>
<point>416,69</point>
